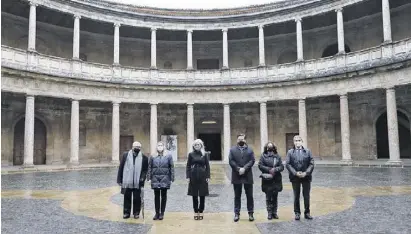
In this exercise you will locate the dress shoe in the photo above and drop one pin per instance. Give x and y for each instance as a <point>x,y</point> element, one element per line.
<point>236,217</point>
<point>156,216</point>
<point>308,216</point>
<point>161,217</point>
<point>297,216</point>
<point>136,216</point>
<point>275,216</point>
<point>126,216</point>
<point>250,217</point>
<point>270,216</point>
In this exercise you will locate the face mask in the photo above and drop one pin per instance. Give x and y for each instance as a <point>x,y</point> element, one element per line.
<point>298,144</point>
<point>136,150</point>
<point>160,148</point>
<point>241,143</point>
<point>270,149</point>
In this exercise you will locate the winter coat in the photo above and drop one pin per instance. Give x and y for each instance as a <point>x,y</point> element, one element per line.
<point>144,168</point>
<point>266,163</point>
<point>241,157</point>
<point>197,170</point>
<point>299,160</point>
<point>161,171</point>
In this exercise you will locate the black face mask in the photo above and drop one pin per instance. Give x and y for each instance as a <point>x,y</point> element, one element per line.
<point>136,150</point>
<point>270,149</point>
<point>241,143</point>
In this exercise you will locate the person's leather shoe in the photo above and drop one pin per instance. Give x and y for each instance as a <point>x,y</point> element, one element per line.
<point>161,217</point>
<point>308,216</point>
<point>236,217</point>
<point>126,216</point>
<point>275,216</point>
<point>136,216</point>
<point>297,216</point>
<point>156,216</point>
<point>270,216</point>
<point>250,217</point>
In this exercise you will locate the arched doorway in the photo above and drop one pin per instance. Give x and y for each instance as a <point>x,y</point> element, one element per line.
<point>332,50</point>
<point>40,143</point>
<point>403,132</point>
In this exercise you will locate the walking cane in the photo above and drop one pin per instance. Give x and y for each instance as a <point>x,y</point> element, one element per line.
<point>142,200</point>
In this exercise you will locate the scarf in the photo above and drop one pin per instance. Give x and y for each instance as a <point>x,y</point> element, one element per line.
<point>132,171</point>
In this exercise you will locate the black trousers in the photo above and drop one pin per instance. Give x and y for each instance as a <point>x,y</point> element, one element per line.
<point>160,208</point>
<point>271,200</point>
<point>306,194</point>
<point>195,204</point>
<point>237,197</point>
<point>136,201</point>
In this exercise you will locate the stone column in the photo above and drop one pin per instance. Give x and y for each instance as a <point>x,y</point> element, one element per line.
<point>302,121</point>
<point>190,126</point>
<point>153,129</point>
<point>227,132</point>
<point>116,43</point>
<point>386,20</point>
<point>29,132</point>
<point>392,120</point>
<point>261,45</point>
<point>345,130</point>
<point>263,124</point>
<point>225,49</point>
<point>74,132</point>
<point>76,37</point>
<point>32,27</point>
<point>189,49</point>
<point>115,134</point>
<point>153,48</point>
<point>299,30</point>
<point>340,31</point>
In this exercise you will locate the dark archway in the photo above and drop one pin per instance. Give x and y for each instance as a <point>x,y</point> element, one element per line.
<point>287,57</point>
<point>403,132</point>
<point>332,50</point>
<point>40,143</point>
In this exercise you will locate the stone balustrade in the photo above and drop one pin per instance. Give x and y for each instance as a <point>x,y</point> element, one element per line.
<point>384,54</point>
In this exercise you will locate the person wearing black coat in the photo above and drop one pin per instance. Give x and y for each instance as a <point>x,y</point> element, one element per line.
<point>241,160</point>
<point>131,176</point>
<point>198,176</point>
<point>300,165</point>
<point>271,167</point>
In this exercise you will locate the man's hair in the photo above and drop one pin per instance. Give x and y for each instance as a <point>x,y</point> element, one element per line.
<point>242,134</point>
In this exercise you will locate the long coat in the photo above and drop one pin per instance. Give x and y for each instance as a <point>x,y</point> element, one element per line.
<point>241,157</point>
<point>266,163</point>
<point>299,160</point>
<point>161,171</point>
<point>144,168</point>
<point>197,170</point>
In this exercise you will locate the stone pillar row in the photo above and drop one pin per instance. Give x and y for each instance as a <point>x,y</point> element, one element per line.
<point>393,137</point>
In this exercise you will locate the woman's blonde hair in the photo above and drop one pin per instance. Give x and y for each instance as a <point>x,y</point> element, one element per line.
<point>199,141</point>
<point>164,150</point>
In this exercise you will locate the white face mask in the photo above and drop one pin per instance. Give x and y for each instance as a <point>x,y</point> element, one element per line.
<point>298,143</point>
<point>160,148</point>
<point>197,147</point>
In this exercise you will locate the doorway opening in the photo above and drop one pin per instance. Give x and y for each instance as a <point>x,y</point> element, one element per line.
<point>212,143</point>
<point>126,142</point>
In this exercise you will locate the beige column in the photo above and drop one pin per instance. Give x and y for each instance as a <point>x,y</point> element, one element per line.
<point>392,121</point>
<point>386,20</point>
<point>76,37</point>
<point>345,130</point>
<point>189,49</point>
<point>153,129</point>
<point>74,132</point>
<point>263,125</point>
<point>261,45</point>
<point>225,49</point>
<point>32,27</point>
<point>29,132</point>
<point>227,132</point>
<point>340,31</point>
<point>153,48</point>
<point>302,121</point>
<point>116,44</point>
<point>299,30</point>
<point>115,133</point>
<point>190,126</point>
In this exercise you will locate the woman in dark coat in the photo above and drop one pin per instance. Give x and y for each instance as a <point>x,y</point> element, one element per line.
<point>198,176</point>
<point>161,174</point>
<point>271,167</point>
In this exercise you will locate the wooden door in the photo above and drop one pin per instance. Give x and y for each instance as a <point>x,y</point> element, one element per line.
<point>126,142</point>
<point>289,141</point>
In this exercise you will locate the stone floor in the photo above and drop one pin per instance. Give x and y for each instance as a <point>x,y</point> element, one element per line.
<point>343,200</point>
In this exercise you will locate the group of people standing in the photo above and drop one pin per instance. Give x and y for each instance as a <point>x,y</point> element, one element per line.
<point>135,167</point>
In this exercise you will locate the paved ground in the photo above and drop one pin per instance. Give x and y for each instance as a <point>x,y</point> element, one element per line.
<point>344,200</point>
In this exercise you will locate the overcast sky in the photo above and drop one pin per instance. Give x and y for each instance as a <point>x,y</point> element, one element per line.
<point>195,4</point>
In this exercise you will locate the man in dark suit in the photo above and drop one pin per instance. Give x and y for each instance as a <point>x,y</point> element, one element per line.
<point>241,159</point>
<point>131,176</point>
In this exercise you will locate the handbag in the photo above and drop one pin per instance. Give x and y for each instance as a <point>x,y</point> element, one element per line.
<point>266,176</point>
<point>122,190</point>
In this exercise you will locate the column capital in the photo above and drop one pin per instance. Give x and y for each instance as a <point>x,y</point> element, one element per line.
<point>29,96</point>
<point>343,95</point>
<point>189,30</point>
<point>301,100</point>
<point>117,24</point>
<point>261,26</point>
<point>390,89</point>
<point>75,99</point>
<point>116,103</point>
<point>226,103</point>
<point>340,9</point>
<point>298,19</point>
<point>153,29</point>
<point>77,16</point>
<point>263,102</point>
<point>33,3</point>
<point>154,103</point>
<point>190,103</point>
<point>224,30</point>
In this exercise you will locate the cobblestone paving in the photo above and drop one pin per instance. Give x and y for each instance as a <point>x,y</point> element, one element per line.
<point>344,200</point>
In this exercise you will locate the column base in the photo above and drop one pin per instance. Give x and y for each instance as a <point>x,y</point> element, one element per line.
<point>153,68</point>
<point>299,60</point>
<point>116,65</point>
<point>397,163</point>
<point>73,164</point>
<point>32,50</point>
<point>341,53</point>
<point>261,65</point>
<point>386,42</point>
<point>225,68</point>
<point>115,162</point>
<point>190,69</point>
<point>347,162</point>
<point>29,165</point>
<point>76,59</point>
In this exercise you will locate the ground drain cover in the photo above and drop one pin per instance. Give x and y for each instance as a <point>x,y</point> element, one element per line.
<point>213,195</point>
